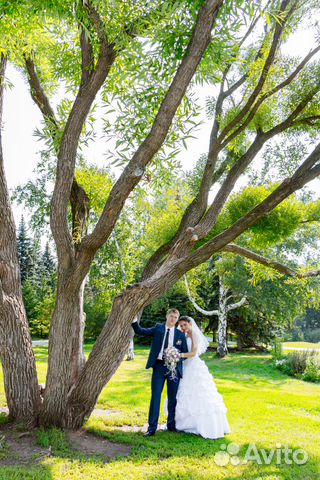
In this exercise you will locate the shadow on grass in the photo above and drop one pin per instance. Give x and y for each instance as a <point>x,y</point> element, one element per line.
<point>265,462</point>
<point>181,446</point>
<point>205,459</point>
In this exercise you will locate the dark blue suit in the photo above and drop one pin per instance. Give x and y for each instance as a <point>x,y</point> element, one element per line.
<point>161,373</point>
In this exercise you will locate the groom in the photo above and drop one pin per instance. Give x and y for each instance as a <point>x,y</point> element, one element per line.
<point>164,335</point>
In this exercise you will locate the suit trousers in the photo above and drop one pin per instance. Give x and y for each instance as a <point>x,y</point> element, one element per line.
<point>161,374</point>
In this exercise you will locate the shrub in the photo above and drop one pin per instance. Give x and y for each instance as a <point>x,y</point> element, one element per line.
<point>283,365</point>
<point>297,361</point>
<point>276,350</point>
<point>303,364</point>
<point>312,371</point>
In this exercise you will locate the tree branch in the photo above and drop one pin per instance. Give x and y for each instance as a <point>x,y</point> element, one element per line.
<point>80,206</point>
<point>39,96</point>
<point>308,170</point>
<point>78,197</point>
<point>135,169</point>
<point>280,24</point>
<point>267,262</point>
<point>69,143</point>
<point>235,305</point>
<point>87,60</point>
<point>236,171</point>
<point>267,95</point>
<point>199,205</point>
<point>209,313</point>
<point>174,268</point>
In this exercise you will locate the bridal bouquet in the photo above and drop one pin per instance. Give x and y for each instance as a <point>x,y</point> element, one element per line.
<point>171,357</point>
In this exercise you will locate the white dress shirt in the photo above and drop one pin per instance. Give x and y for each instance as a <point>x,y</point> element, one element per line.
<point>170,340</point>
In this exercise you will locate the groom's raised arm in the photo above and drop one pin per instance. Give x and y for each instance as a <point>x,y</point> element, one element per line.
<point>147,332</point>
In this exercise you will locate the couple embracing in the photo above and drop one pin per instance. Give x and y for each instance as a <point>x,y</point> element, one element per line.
<point>193,403</point>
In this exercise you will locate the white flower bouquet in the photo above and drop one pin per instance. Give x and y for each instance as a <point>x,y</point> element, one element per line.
<point>171,357</point>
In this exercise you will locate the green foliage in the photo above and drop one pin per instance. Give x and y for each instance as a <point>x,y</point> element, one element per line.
<point>276,228</point>
<point>276,350</point>
<point>303,364</point>
<point>279,224</point>
<point>25,252</point>
<point>54,438</point>
<point>150,39</point>
<point>312,370</point>
<point>165,213</point>
<point>97,183</point>
<point>38,273</point>
<point>147,224</point>
<point>306,327</point>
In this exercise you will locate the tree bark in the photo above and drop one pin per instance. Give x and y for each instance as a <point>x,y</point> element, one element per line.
<point>130,354</point>
<point>66,356</point>
<point>16,354</point>
<point>77,353</point>
<point>222,348</point>
<point>107,353</point>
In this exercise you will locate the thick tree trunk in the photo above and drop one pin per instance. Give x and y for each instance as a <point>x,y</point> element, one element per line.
<point>108,352</point>
<point>66,357</point>
<point>18,363</point>
<point>77,355</point>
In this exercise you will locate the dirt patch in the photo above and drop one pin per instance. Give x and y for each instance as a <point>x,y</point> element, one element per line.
<point>20,448</point>
<point>93,445</point>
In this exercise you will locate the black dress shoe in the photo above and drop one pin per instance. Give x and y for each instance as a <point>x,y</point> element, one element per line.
<point>149,434</point>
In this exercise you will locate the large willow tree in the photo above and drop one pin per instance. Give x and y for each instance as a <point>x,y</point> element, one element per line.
<point>144,58</point>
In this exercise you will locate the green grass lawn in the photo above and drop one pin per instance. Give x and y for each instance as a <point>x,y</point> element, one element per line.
<point>301,345</point>
<point>265,408</point>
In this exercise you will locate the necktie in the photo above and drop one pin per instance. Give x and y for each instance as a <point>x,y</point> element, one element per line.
<point>166,341</point>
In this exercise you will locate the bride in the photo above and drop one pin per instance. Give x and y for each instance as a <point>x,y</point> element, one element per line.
<point>200,408</point>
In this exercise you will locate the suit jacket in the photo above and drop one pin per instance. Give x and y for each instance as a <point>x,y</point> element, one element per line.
<point>158,332</point>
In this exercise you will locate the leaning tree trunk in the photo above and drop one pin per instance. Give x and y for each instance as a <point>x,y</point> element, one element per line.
<point>17,358</point>
<point>107,353</point>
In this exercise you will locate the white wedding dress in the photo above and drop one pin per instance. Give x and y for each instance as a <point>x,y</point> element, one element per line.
<point>200,408</point>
